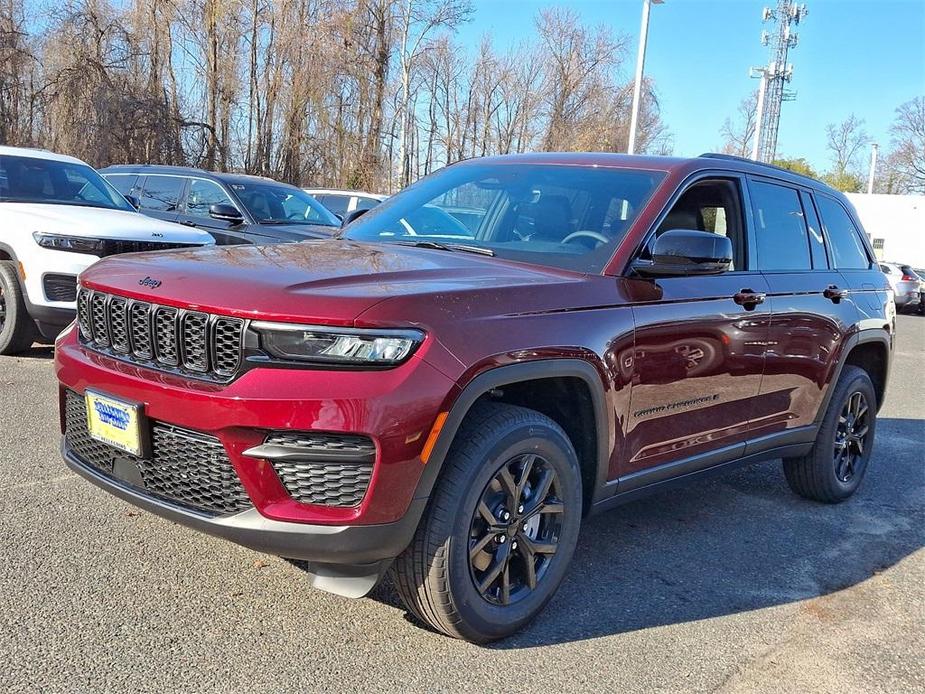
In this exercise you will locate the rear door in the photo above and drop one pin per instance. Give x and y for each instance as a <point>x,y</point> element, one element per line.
<point>812,310</point>
<point>700,344</point>
<point>855,261</point>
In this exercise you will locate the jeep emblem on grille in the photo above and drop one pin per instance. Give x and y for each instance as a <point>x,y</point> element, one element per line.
<point>150,282</point>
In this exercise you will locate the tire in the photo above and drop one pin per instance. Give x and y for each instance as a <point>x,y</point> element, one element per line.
<point>819,475</point>
<point>434,575</point>
<point>17,330</point>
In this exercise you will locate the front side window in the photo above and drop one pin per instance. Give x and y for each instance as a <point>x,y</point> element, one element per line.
<point>275,203</point>
<point>52,182</point>
<point>337,204</point>
<point>847,248</point>
<point>124,183</point>
<point>571,217</point>
<point>202,195</point>
<point>780,227</point>
<point>161,193</point>
<point>366,203</point>
<point>712,205</point>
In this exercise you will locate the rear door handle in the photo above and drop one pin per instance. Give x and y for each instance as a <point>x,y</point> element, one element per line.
<point>749,298</point>
<point>835,294</point>
<point>188,223</point>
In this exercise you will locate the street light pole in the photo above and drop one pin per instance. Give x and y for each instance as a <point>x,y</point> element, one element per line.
<point>640,66</point>
<point>873,168</point>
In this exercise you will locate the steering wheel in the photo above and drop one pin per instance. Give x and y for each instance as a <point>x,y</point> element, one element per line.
<point>596,235</point>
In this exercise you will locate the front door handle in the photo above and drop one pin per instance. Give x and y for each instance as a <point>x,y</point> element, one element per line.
<point>188,223</point>
<point>835,294</point>
<point>749,298</point>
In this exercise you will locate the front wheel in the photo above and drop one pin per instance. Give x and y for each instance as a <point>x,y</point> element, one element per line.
<point>17,331</point>
<point>500,529</point>
<point>832,471</point>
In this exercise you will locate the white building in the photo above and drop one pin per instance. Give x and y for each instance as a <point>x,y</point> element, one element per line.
<point>895,225</point>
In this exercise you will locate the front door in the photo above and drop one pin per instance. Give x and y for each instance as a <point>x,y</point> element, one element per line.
<point>699,353</point>
<point>200,196</point>
<point>160,195</point>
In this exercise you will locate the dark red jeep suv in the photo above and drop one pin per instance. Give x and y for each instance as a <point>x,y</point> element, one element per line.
<point>448,402</point>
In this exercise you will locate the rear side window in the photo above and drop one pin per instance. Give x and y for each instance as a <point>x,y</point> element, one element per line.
<point>161,193</point>
<point>816,240</point>
<point>780,227</point>
<point>124,183</point>
<point>847,249</point>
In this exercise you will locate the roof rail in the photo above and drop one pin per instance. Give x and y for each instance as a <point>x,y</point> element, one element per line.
<point>746,160</point>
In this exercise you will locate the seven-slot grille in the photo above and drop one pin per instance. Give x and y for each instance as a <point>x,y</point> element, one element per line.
<point>186,468</point>
<point>162,337</point>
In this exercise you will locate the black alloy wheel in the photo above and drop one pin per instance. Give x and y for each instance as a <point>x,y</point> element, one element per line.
<point>832,470</point>
<point>851,436</point>
<point>515,530</point>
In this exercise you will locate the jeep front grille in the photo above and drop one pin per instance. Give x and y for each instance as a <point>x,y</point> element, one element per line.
<point>190,343</point>
<point>186,468</point>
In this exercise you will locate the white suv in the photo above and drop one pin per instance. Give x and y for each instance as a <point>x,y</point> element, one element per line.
<point>57,217</point>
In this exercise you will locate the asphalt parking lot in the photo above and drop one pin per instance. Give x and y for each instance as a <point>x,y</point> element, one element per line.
<point>733,584</point>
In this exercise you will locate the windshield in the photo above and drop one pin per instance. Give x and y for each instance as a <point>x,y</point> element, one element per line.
<point>274,203</point>
<point>570,217</point>
<point>30,179</point>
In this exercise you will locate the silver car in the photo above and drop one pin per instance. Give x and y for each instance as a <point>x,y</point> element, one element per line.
<point>906,283</point>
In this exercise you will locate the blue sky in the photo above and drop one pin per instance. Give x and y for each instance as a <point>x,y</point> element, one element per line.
<point>855,56</point>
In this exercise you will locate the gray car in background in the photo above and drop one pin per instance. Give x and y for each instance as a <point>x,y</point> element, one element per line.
<point>906,283</point>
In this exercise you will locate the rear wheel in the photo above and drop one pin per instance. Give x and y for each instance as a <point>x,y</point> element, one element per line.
<point>17,331</point>
<point>500,528</point>
<point>832,471</point>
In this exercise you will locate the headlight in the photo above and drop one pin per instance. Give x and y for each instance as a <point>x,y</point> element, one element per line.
<point>329,345</point>
<point>74,244</point>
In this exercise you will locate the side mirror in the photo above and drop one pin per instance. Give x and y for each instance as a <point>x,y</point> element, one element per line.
<point>679,252</point>
<point>226,213</point>
<point>356,214</point>
<point>133,201</point>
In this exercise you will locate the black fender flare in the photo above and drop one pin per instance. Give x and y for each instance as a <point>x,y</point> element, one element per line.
<point>865,336</point>
<point>517,373</point>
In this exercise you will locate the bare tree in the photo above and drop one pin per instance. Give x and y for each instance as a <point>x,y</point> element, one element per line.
<point>739,134</point>
<point>309,91</point>
<point>417,19</point>
<point>578,62</point>
<point>906,161</point>
<point>845,141</point>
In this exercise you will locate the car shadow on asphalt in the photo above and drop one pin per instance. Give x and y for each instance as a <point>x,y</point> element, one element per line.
<point>731,544</point>
<point>38,351</point>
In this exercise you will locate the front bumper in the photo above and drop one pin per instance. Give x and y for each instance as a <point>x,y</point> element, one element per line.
<point>346,560</point>
<point>395,408</point>
<point>43,261</point>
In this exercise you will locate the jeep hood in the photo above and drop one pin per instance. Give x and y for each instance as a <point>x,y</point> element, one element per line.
<point>77,220</point>
<point>333,281</point>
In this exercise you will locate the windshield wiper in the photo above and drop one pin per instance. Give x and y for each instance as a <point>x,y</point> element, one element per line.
<point>479,250</point>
